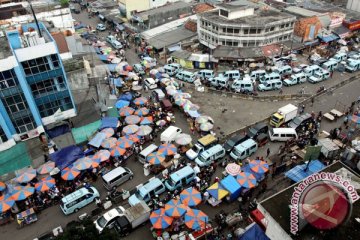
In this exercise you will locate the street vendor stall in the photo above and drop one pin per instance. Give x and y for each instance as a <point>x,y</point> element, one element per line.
<point>232,186</point>
<point>26,217</point>
<point>217,193</point>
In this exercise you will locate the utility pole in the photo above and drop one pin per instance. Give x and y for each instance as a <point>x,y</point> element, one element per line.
<point>36,21</point>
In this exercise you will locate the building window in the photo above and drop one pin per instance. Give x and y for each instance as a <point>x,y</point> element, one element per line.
<point>236,30</point>
<point>246,31</point>
<point>47,87</point>
<point>3,137</point>
<point>50,107</point>
<point>230,30</point>
<point>224,13</point>
<point>8,79</point>
<point>235,44</point>
<point>272,29</point>
<point>35,66</point>
<point>253,30</point>
<point>55,60</point>
<point>223,43</point>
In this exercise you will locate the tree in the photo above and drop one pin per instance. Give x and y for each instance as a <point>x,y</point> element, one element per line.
<point>64,3</point>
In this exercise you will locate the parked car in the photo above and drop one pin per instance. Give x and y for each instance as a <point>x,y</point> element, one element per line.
<point>300,121</point>
<point>116,177</point>
<point>100,27</point>
<point>138,68</point>
<point>107,220</point>
<point>233,141</point>
<point>256,130</point>
<point>110,38</point>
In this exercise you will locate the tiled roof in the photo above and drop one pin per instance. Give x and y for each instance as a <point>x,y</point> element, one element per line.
<point>61,43</point>
<point>191,25</point>
<point>202,7</point>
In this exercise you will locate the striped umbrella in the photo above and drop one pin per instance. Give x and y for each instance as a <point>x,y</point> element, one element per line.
<point>117,151</point>
<point>206,126</point>
<point>174,208</point>
<point>132,119</point>
<point>146,120</point>
<point>46,167</point>
<point>124,142</point>
<point>26,176</point>
<point>69,173</point>
<point>196,219</point>
<point>109,132</point>
<point>103,155</point>
<point>202,119</point>
<point>133,137</point>
<point>126,111</point>
<point>259,166</point>
<point>246,179</point>
<point>121,104</point>
<point>45,184</point>
<point>144,130</point>
<point>159,220</point>
<point>155,158</point>
<point>6,204</point>
<point>142,111</point>
<point>180,101</point>
<point>140,101</point>
<point>108,142</point>
<point>95,162</point>
<point>130,129</point>
<point>167,149</point>
<point>2,186</point>
<point>183,139</point>
<point>191,107</point>
<point>233,169</point>
<point>183,95</point>
<point>22,193</point>
<point>83,163</point>
<point>190,197</point>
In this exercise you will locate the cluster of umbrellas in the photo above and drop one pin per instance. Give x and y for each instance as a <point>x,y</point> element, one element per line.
<point>165,149</point>
<point>177,208</point>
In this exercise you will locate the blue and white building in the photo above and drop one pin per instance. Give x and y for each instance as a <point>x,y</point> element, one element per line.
<point>34,91</point>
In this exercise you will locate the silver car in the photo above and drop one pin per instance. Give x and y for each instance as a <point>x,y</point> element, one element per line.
<point>116,177</point>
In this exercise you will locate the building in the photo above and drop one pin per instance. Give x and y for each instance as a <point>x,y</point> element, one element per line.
<point>244,26</point>
<point>353,5</point>
<point>34,89</point>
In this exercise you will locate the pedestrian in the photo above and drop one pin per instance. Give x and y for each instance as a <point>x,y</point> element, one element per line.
<point>268,152</point>
<point>302,109</point>
<point>281,150</point>
<point>331,74</point>
<point>281,91</point>
<point>346,120</point>
<point>312,101</point>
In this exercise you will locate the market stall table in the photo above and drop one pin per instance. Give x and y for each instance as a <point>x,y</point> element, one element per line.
<point>329,116</point>
<point>336,113</point>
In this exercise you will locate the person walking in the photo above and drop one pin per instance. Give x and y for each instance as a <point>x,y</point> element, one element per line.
<point>268,152</point>
<point>312,101</point>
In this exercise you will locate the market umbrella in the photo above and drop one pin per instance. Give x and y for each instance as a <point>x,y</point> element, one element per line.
<point>126,111</point>
<point>155,158</point>
<point>69,173</point>
<point>190,197</point>
<point>95,162</point>
<point>193,114</point>
<point>174,208</point>
<point>233,169</point>
<point>130,129</point>
<point>132,119</point>
<point>133,137</point>
<point>103,155</point>
<point>142,111</point>
<point>146,121</point>
<point>2,186</point>
<point>168,149</point>
<point>45,168</point>
<point>45,184</point>
<point>26,176</point>
<point>83,163</point>
<point>196,219</point>
<point>182,95</point>
<point>206,126</point>
<point>6,204</point>
<point>180,101</point>
<point>109,132</point>
<point>259,166</point>
<point>191,107</point>
<point>161,123</point>
<point>140,101</point>
<point>246,179</point>
<point>217,191</point>
<point>159,219</point>
<point>183,139</point>
<point>171,92</point>
<point>170,87</point>
<point>122,103</point>
<point>204,119</point>
<point>124,142</point>
<point>117,151</point>
<point>144,130</point>
<point>22,192</point>
<point>108,142</point>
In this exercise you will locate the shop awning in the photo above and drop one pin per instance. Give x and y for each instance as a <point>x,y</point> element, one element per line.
<point>311,43</point>
<point>66,156</point>
<point>103,57</point>
<point>82,134</point>
<point>97,140</point>
<point>174,48</point>
<point>14,158</point>
<point>230,184</point>
<point>300,172</point>
<point>109,122</point>
<point>112,67</point>
<point>328,38</point>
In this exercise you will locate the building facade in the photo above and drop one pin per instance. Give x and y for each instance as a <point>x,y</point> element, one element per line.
<point>353,5</point>
<point>34,91</point>
<point>243,26</point>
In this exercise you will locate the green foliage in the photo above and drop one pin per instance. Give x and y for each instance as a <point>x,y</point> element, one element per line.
<point>64,3</point>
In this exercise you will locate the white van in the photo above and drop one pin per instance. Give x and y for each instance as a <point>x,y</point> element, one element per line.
<point>116,177</point>
<point>145,152</point>
<point>270,85</point>
<point>150,83</point>
<point>171,71</point>
<point>310,70</point>
<point>78,199</point>
<point>244,150</point>
<point>186,76</point>
<point>206,73</point>
<point>282,134</point>
<point>212,154</point>
<point>257,74</point>
<point>339,57</point>
<point>242,86</point>
<point>270,77</point>
<point>232,74</point>
<point>158,94</point>
<point>170,134</point>
<point>330,65</point>
<point>147,191</point>
<point>177,67</point>
<point>284,70</point>
<point>219,81</point>
<point>295,79</point>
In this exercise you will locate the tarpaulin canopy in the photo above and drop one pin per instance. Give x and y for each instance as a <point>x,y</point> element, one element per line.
<point>117,82</point>
<point>109,122</point>
<point>230,184</point>
<point>328,38</point>
<point>97,140</point>
<point>58,130</point>
<point>258,176</point>
<point>14,158</point>
<point>254,232</point>
<point>300,172</point>
<point>113,112</point>
<point>82,134</point>
<point>66,156</point>
<point>103,57</point>
<point>112,67</point>
<point>126,96</point>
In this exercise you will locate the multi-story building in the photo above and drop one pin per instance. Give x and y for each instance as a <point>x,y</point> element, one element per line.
<point>244,26</point>
<point>33,86</point>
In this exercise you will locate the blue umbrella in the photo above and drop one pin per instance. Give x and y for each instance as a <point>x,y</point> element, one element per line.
<point>121,103</point>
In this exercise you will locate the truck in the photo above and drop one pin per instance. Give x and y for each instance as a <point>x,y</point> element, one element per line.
<point>201,145</point>
<point>283,115</point>
<point>328,148</point>
<point>133,217</point>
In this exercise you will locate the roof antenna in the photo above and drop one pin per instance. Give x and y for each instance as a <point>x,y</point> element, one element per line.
<point>36,21</point>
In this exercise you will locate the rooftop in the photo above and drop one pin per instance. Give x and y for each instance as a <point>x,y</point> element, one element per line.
<point>4,48</point>
<point>232,7</point>
<point>302,12</point>
<point>165,8</point>
<point>202,7</point>
<point>170,38</point>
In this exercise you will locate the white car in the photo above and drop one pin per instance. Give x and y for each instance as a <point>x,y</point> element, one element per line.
<point>108,219</point>
<point>150,83</point>
<point>101,27</point>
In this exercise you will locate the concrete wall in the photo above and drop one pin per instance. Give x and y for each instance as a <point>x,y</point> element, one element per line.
<point>135,5</point>
<point>353,5</point>
<point>165,17</point>
<point>158,3</point>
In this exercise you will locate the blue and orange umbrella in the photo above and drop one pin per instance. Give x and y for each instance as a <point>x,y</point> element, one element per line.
<point>22,192</point>
<point>121,104</point>
<point>140,101</point>
<point>124,142</point>
<point>26,176</point>
<point>45,184</point>
<point>147,121</point>
<point>108,142</point>
<point>6,204</point>
<point>46,168</point>
<point>117,151</point>
<point>109,132</point>
<point>196,219</point>
<point>142,111</point>
<point>69,173</point>
<point>144,130</point>
<point>103,155</point>
<point>83,163</point>
<point>217,191</point>
<point>167,149</point>
<point>133,137</point>
<point>246,179</point>
<point>126,111</point>
<point>159,219</point>
<point>174,208</point>
<point>259,166</point>
<point>95,162</point>
<point>155,158</point>
<point>190,197</point>
<point>132,119</point>
<point>130,129</point>
<point>2,186</point>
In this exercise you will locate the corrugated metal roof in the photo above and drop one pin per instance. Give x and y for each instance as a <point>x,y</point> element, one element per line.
<point>170,38</point>
<point>301,11</point>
